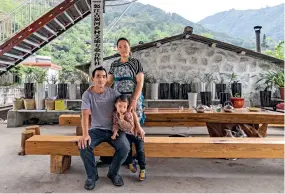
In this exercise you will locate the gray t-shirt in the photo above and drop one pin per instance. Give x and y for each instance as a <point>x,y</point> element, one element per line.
<point>101,107</point>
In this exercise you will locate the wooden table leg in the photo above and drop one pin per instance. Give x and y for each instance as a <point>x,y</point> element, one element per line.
<point>250,131</point>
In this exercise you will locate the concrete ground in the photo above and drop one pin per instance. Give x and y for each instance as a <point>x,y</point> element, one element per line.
<point>31,173</point>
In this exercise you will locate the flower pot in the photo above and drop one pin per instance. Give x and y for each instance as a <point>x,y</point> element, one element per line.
<point>206,98</point>
<point>237,102</point>
<point>282,92</point>
<point>29,90</point>
<point>220,88</point>
<point>154,91</point>
<point>265,98</point>
<point>236,89</point>
<point>62,91</point>
<point>83,88</point>
<point>224,97</point>
<point>72,91</point>
<point>18,104</point>
<point>185,89</point>
<point>147,90</point>
<point>192,99</point>
<point>164,90</point>
<point>29,104</point>
<point>50,104</point>
<point>174,90</point>
<point>211,87</point>
<point>40,96</point>
<point>52,90</point>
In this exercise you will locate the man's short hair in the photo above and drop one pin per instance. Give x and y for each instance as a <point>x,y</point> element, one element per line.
<point>98,69</point>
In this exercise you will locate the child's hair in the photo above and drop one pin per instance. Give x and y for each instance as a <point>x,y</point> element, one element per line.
<point>122,98</point>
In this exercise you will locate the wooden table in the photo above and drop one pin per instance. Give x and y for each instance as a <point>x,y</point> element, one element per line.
<point>170,117</point>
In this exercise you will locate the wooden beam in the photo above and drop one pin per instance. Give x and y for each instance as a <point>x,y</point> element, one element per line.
<point>59,164</point>
<point>188,147</point>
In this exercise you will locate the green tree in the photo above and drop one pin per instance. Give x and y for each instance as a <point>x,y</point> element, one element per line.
<point>208,35</point>
<point>278,51</point>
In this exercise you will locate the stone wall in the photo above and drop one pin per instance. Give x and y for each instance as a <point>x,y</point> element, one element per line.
<point>8,94</point>
<point>185,59</point>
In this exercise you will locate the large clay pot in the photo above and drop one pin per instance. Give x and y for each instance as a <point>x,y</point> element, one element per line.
<point>164,90</point>
<point>236,89</point>
<point>265,98</point>
<point>220,88</point>
<point>175,90</point>
<point>185,89</point>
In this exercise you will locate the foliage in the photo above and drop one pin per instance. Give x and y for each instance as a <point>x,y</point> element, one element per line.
<point>266,80</point>
<point>278,51</point>
<point>28,73</point>
<point>40,75</point>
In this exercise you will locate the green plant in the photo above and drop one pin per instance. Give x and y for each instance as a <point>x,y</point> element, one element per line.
<point>40,75</point>
<point>84,78</point>
<point>53,79</point>
<point>219,79</point>
<point>233,78</point>
<point>28,73</point>
<point>266,80</point>
<point>237,95</point>
<point>279,79</point>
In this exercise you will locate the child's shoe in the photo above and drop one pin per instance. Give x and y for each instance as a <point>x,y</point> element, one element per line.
<point>133,167</point>
<point>142,175</point>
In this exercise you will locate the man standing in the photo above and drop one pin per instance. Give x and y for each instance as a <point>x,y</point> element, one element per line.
<point>99,102</point>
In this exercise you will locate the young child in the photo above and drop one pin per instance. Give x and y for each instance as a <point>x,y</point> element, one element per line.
<point>124,121</point>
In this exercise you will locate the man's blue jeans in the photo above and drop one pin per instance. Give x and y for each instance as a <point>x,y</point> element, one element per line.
<point>121,145</point>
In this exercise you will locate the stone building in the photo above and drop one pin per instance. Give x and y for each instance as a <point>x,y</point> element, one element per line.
<point>189,56</point>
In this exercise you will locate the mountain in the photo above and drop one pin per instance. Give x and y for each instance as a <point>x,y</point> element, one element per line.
<point>240,23</point>
<point>156,23</point>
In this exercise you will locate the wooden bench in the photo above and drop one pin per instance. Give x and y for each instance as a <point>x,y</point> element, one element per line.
<point>61,148</point>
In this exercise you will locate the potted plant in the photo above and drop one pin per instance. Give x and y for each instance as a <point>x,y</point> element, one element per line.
<point>18,103</point>
<point>84,85</point>
<point>29,78</point>
<point>186,85</point>
<point>236,87</point>
<point>266,83</point>
<point>279,82</point>
<point>146,86</point>
<point>220,86</point>
<point>164,89</point>
<point>201,84</point>
<point>52,87</point>
<point>62,85</point>
<point>154,88</point>
<point>210,84</point>
<point>175,90</point>
<point>29,91</point>
<point>192,97</point>
<point>40,77</point>
<point>72,87</point>
<point>237,101</point>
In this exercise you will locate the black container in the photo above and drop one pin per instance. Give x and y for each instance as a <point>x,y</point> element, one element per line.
<point>83,88</point>
<point>185,89</point>
<point>62,91</point>
<point>29,90</point>
<point>224,97</point>
<point>206,98</point>
<point>174,90</point>
<point>265,98</point>
<point>164,90</point>
<point>236,89</point>
<point>220,88</point>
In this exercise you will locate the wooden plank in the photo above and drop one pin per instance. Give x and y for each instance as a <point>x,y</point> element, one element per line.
<point>239,116</point>
<point>59,164</point>
<point>163,117</point>
<point>197,147</point>
<point>174,124</point>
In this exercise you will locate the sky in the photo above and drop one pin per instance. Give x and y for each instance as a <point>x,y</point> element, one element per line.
<point>196,10</point>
